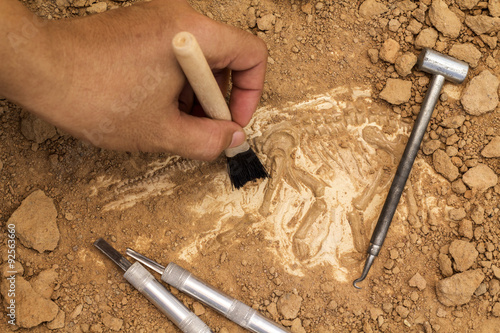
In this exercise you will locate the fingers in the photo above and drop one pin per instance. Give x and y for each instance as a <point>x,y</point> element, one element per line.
<point>246,55</point>
<point>203,138</point>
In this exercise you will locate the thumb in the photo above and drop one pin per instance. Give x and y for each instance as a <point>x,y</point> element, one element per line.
<point>204,138</point>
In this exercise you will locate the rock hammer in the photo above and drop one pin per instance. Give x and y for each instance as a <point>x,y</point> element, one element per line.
<point>442,67</point>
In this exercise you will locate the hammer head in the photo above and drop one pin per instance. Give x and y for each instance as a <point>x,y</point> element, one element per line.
<point>436,63</point>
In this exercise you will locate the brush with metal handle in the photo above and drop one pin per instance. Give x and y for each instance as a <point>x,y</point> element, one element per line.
<point>243,163</point>
<point>155,292</point>
<point>229,307</point>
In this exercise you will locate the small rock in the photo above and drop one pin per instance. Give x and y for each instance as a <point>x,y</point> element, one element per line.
<point>480,177</point>
<point>45,282</point>
<point>405,63</point>
<point>477,215</point>
<point>396,91</point>
<point>426,38</point>
<point>445,265</point>
<point>441,313</point>
<point>481,94</point>
<point>482,24</point>
<point>466,4</point>
<point>490,41</point>
<point>373,54</point>
<point>453,122</point>
<point>458,186</point>
<point>266,22</point>
<point>496,271</point>
<point>496,309</point>
<point>371,8</point>
<point>297,326</point>
<point>431,146</point>
<point>494,7</point>
<point>76,312</point>
<point>444,20</point>
<point>464,254</point>
<point>414,27</point>
<point>481,290</point>
<point>35,222</point>
<point>402,311</point>
<point>99,7</point>
<point>198,309</point>
<point>444,166</point>
<point>458,289</point>
<point>36,129</point>
<point>58,322</point>
<point>11,269</point>
<point>389,51</point>
<point>251,18</point>
<point>111,322</point>
<point>465,229</point>
<point>492,149</point>
<point>31,308</point>
<point>289,305</point>
<point>457,214</point>
<point>418,281</point>
<point>466,52</point>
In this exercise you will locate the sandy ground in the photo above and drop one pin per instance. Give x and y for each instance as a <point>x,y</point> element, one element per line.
<point>340,99</point>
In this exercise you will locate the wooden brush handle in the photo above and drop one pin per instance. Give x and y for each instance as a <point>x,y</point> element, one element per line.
<point>200,76</point>
<point>202,80</point>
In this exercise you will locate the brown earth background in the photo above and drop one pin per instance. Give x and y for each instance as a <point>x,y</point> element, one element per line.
<point>439,269</point>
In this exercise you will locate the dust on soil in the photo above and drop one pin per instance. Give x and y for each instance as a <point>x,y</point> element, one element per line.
<point>331,139</point>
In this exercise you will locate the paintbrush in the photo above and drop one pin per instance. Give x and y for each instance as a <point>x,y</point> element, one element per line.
<point>242,163</point>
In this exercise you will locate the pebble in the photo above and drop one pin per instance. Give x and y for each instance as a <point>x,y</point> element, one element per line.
<point>481,94</point>
<point>465,229</point>
<point>45,282</point>
<point>444,20</point>
<point>445,265</point>
<point>426,38</point>
<point>35,222</point>
<point>494,7</point>
<point>418,281</point>
<point>198,309</point>
<point>464,254</point>
<point>289,305</point>
<point>457,214</point>
<point>111,322</point>
<point>496,310</point>
<point>32,309</point>
<point>482,24</point>
<point>371,8</point>
<point>396,91</point>
<point>58,322</point>
<point>389,51</point>
<point>492,149</point>
<point>453,122</point>
<point>444,166</point>
<point>466,4</point>
<point>466,52</point>
<point>373,55</point>
<point>404,64</point>
<point>36,129</point>
<point>99,7</point>
<point>480,177</point>
<point>266,22</point>
<point>458,289</point>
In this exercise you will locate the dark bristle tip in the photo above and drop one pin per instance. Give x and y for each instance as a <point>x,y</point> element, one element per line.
<point>245,167</point>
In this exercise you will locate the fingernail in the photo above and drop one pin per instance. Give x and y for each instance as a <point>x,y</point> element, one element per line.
<point>238,139</point>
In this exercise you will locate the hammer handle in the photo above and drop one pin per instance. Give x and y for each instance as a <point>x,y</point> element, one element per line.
<point>200,76</point>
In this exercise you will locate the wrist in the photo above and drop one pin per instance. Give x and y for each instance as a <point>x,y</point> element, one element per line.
<point>26,60</point>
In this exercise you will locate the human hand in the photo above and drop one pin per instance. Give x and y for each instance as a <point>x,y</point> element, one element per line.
<point>112,79</point>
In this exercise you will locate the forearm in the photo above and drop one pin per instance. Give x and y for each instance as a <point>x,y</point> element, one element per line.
<point>24,53</point>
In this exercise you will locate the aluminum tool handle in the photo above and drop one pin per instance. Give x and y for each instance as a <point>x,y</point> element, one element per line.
<point>231,308</point>
<point>156,293</point>
<point>405,165</point>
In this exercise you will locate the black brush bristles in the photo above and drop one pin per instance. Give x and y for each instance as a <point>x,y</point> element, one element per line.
<point>245,167</point>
